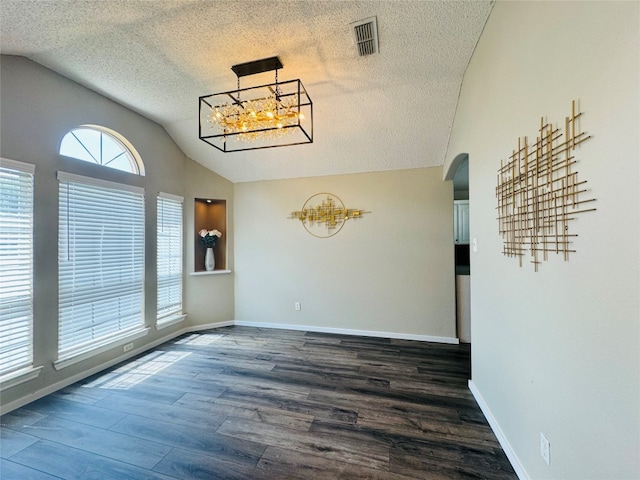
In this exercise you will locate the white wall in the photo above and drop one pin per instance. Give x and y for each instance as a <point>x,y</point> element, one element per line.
<point>389,272</point>
<point>38,108</point>
<point>558,351</point>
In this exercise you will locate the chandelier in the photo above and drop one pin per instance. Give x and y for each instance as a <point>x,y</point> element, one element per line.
<point>273,115</point>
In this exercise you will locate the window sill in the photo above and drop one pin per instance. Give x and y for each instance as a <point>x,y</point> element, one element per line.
<point>213,272</point>
<point>96,349</point>
<point>20,376</point>
<point>168,321</point>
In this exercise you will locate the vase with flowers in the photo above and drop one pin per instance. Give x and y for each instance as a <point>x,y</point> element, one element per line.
<point>209,239</point>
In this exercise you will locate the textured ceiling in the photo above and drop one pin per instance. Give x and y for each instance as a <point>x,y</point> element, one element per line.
<point>393,110</point>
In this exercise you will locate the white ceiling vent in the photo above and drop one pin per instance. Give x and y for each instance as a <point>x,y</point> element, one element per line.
<point>365,34</point>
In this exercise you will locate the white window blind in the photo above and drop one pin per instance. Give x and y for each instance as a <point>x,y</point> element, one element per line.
<point>101,263</point>
<point>169,237</point>
<point>16,266</point>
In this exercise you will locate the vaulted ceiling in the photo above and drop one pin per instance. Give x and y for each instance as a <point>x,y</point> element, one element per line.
<point>391,110</point>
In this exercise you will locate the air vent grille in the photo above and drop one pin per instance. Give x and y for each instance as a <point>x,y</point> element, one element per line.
<point>365,34</point>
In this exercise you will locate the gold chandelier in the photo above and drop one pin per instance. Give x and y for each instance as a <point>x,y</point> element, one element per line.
<point>274,115</point>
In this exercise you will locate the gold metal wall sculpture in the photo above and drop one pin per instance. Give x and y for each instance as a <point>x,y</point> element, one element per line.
<point>539,194</point>
<point>323,215</point>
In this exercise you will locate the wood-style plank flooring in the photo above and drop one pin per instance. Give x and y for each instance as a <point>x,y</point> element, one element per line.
<point>251,403</point>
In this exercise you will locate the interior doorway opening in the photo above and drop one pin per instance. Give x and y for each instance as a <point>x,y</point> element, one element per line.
<point>461,217</point>
<point>459,174</point>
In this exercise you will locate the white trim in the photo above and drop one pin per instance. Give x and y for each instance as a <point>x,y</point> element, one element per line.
<point>171,196</point>
<point>208,326</point>
<point>16,165</point>
<point>97,348</point>
<point>72,177</point>
<point>165,322</point>
<point>212,272</point>
<point>19,376</point>
<point>345,331</point>
<point>493,423</point>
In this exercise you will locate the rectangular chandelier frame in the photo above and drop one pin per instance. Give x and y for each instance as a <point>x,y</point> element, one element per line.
<point>300,132</point>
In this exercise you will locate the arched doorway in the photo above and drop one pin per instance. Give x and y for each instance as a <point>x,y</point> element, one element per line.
<point>459,173</point>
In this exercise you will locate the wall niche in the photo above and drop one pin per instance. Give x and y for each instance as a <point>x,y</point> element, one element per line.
<point>210,214</point>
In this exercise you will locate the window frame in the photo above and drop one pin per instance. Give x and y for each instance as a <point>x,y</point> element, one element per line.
<point>24,370</point>
<point>127,330</point>
<point>128,149</point>
<point>169,317</point>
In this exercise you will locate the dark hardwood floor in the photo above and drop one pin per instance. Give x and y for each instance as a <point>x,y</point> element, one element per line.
<point>252,403</point>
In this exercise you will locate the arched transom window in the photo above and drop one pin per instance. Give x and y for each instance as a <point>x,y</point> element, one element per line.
<point>102,146</point>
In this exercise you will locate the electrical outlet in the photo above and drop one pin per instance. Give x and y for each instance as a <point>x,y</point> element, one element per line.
<point>297,306</point>
<point>545,448</point>
<point>127,347</point>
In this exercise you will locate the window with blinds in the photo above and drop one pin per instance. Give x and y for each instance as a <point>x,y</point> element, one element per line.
<point>101,263</point>
<point>169,238</point>
<point>16,266</point>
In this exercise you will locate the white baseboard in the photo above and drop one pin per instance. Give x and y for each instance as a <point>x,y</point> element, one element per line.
<point>346,331</point>
<point>208,326</point>
<point>504,443</point>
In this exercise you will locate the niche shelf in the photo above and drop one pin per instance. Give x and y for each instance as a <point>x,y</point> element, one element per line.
<point>210,214</point>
